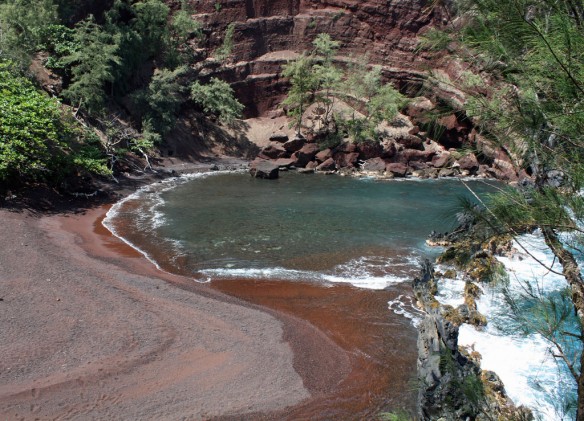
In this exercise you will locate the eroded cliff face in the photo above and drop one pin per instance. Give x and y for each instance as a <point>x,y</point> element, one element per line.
<point>269,32</point>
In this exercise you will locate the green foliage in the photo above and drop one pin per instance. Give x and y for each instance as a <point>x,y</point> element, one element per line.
<point>434,40</point>
<point>162,100</point>
<point>36,142</point>
<point>92,64</point>
<point>216,98</point>
<point>59,42</point>
<point>23,25</point>
<point>223,52</point>
<point>303,83</point>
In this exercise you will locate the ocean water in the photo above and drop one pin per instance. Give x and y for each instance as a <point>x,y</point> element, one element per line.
<point>367,232</point>
<point>328,229</point>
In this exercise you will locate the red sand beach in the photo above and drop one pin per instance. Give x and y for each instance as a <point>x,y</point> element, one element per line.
<point>89,329</point>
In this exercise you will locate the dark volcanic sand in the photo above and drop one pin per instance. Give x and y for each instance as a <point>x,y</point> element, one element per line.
<point>90,330</point>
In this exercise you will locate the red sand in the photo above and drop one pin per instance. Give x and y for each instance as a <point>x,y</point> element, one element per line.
<point>90,330</point>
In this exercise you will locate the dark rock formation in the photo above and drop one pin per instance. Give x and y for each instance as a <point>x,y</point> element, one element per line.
<point>305,155</point>
<point>328,165</point>
<point>264,169</point>
<point>273,151</point>
<point>397,169</point>
<point>376,165</point>
<point>295,144</point>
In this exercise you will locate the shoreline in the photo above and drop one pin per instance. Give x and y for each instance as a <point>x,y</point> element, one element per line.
<point>78,243</point>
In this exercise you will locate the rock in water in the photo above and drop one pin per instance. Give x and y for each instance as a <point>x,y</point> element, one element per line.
<point>264,169</point>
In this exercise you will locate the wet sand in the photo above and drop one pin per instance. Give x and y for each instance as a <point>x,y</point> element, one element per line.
<point>90,329</point>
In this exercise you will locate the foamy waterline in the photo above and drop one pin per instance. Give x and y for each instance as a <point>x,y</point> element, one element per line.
<point>155,188</point>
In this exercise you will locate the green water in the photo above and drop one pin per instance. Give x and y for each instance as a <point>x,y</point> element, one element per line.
<point>232,224</point>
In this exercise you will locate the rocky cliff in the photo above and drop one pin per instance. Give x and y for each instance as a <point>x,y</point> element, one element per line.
<point>269,32</point>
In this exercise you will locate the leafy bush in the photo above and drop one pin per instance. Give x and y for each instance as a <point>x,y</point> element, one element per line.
<point>35,139</point>
<point>217,98</point>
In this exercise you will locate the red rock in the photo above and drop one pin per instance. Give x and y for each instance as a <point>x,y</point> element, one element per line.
<point>273,151</point>
<point>279,137</point>
<point>348,147</point>
<point>368,150</point>
<point>305,155</point>
<point>346,159</point>
<point>416,155</point>
<point>374,165</point>
<point>323,155</point>
<point>441,160</point>
<point>469,163</point>
<point>284,162</point>
<point>328,165</point>
<point>410,142</point>
<point>397,169</point>
<point>294,145</point>
<point>311,165</point>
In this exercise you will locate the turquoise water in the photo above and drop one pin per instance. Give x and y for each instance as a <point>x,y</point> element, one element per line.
<point>297,226</point>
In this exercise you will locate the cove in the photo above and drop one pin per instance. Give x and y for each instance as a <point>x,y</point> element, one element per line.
<point>330,250</point>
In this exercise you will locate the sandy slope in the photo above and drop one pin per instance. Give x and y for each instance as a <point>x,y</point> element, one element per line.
<point>89,333</point>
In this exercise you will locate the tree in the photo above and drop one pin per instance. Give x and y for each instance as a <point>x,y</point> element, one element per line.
<point>216,98</point>
<point>327,75</point>
<point>162,100</point>
<point>302,85</point>
<point>22,26</point>
<point>532,53</point>
<point>92,65</point>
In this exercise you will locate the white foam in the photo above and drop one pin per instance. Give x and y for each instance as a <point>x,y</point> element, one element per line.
<point>404,305</point>
<point>530,374</point>
<point>366,282</point>
<point>155,219</point>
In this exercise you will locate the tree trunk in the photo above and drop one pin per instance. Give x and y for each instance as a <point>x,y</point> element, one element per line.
<point>571,272</point>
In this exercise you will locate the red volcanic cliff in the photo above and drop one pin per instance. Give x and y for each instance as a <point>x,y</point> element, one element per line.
<point>267,32</point>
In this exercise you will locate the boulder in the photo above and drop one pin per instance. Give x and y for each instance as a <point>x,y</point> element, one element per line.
<point>272,151</point>
<point>346,159</point>
<point>410,141</point>
<point>328,165</point>
<point>264,169</point>
<point>397,169</point>
<point>374,165</point>
<point>305,154</point>
<point>347,147</point>
<point>389,149</point>
<point>416,155</point>
<point>441,160</point>
<point>469,163</point>
<point>284,162</point>
<point>279,137</point>
<point>311,165</point>
<point>323,155</point>
<point>294,145</point>
<point>369,149</point>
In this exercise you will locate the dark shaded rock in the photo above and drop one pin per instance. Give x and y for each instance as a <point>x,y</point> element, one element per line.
<point>417,155</point>
<point>369,150</point>
<point>272,151</point>
<point>397,169</point>
<point>294,145</point>
<point>347,147</point>
<point>389,150</point>
<point>279,137</point>
<point>305,154</point>
<point>264,169</point>
<point>374,165</point>
<point>328,165</point>
<point>469,163</point>
<point>346,159</point>
<point>324,155</point>
<point>411,142</point>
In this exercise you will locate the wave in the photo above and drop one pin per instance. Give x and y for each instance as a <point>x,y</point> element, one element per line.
<point>531,375</point>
